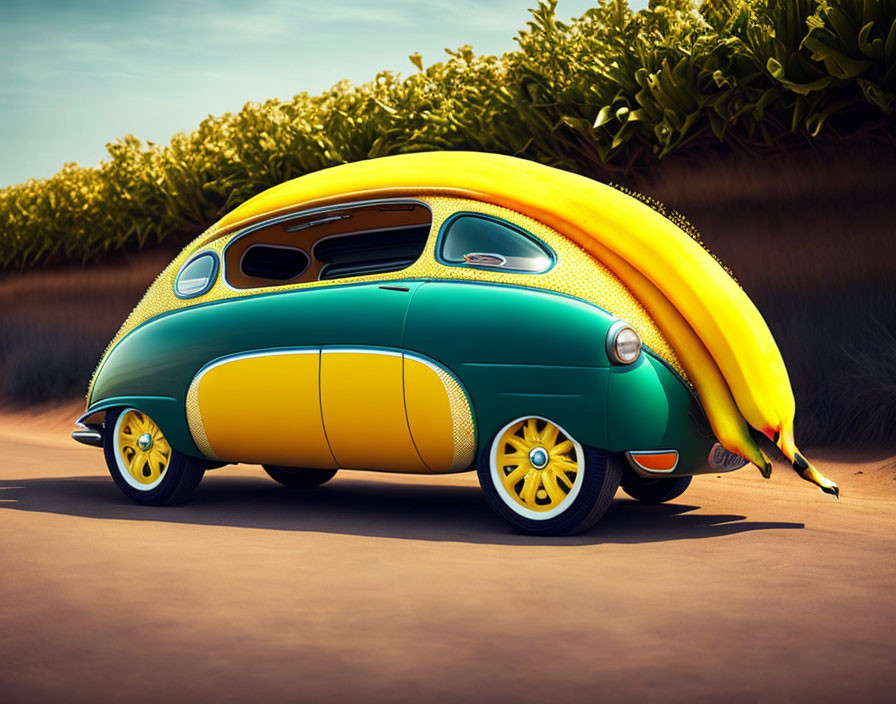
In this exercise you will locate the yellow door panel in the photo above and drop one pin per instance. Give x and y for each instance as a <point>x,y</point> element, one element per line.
<point>363,408</point>
<point>439,416</point>
<point>429,415</point>
<point>262,408</point>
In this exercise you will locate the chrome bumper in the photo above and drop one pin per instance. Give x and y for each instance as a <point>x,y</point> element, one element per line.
<point>90,429</point>
<point>88,436</point>
<point>721,460</point>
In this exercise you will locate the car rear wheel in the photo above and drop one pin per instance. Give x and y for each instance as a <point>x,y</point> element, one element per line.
<point>299,477</point>
<point>142,463</point>
<point>654,491</point>
<point>542,482</point>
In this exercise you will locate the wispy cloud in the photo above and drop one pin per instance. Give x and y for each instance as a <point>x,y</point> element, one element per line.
<point>76,75</point>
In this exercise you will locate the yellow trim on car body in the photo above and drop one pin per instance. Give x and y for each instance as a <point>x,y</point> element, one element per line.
<point>575,273</point>
<point>250,406</point>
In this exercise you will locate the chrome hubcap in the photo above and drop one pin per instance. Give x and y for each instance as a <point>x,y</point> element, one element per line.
<point>144,442</point>
<point>539,457</point>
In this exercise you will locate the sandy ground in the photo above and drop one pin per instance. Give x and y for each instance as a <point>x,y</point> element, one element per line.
<point>380,588</point>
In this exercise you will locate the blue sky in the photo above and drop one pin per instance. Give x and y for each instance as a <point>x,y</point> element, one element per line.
<point>77,74</point>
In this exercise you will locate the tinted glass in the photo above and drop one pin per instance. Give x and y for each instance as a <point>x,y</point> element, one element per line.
<point>367,253</point>
<point>264,261</point>
<point>480,241</point>
<point>197,277</point>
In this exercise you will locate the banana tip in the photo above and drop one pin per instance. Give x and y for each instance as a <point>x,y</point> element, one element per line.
<point>810,474</point>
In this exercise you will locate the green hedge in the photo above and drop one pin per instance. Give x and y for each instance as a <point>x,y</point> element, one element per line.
<point>608,91</point>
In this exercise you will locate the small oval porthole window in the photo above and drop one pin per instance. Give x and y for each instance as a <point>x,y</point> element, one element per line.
<point>197,276</point>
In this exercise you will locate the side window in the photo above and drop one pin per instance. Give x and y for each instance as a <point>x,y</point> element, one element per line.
<point>197,276</point>
<point>482,241</point>
<point>321,245</point>
<point>274,262</point>
<point>363,253</point>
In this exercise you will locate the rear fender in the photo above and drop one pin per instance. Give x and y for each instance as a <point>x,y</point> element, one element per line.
<point>651,408</point>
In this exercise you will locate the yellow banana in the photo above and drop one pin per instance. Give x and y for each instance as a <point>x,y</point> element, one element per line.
<point>715,309</point>
<point>726,421</point>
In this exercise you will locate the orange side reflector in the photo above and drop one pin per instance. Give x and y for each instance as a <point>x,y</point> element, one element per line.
<point>661,461</point>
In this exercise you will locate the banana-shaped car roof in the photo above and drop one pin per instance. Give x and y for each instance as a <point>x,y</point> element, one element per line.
<point>720,337</point>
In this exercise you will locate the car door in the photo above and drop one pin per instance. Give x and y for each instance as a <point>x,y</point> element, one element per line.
<point>362,384</point>
<point>331,391</point>
<point>313,379</point>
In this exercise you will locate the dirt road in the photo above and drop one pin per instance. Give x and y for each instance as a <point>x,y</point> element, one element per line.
<point>390,589</point>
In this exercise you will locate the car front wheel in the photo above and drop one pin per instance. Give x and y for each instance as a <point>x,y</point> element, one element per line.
<point>142,463</point>
<point>542,482</point>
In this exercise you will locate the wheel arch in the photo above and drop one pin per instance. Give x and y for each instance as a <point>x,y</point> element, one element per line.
<point>651,408</point>
<point>166,411</point>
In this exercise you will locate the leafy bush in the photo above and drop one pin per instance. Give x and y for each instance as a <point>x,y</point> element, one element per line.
<point>608,91</point>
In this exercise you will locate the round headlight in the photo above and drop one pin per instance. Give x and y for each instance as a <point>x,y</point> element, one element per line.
<point>623,343</point>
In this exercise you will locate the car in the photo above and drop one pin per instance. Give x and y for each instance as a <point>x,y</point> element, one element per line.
<point>420,333</point>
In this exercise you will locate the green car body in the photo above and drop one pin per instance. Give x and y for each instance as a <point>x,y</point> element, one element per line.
<point>566,376</point>
<point>365,335</point>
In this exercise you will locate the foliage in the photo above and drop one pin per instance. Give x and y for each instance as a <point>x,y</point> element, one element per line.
<point>607,91</point>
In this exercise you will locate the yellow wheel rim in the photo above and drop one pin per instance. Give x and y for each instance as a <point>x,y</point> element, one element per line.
<point>537,465</point>
<point>143,451</point>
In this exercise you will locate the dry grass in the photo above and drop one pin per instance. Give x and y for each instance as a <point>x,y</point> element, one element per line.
<point>54,324</point>
<point>808,234</point>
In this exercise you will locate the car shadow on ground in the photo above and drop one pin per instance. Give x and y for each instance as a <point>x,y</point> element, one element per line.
<point>365,508</point>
